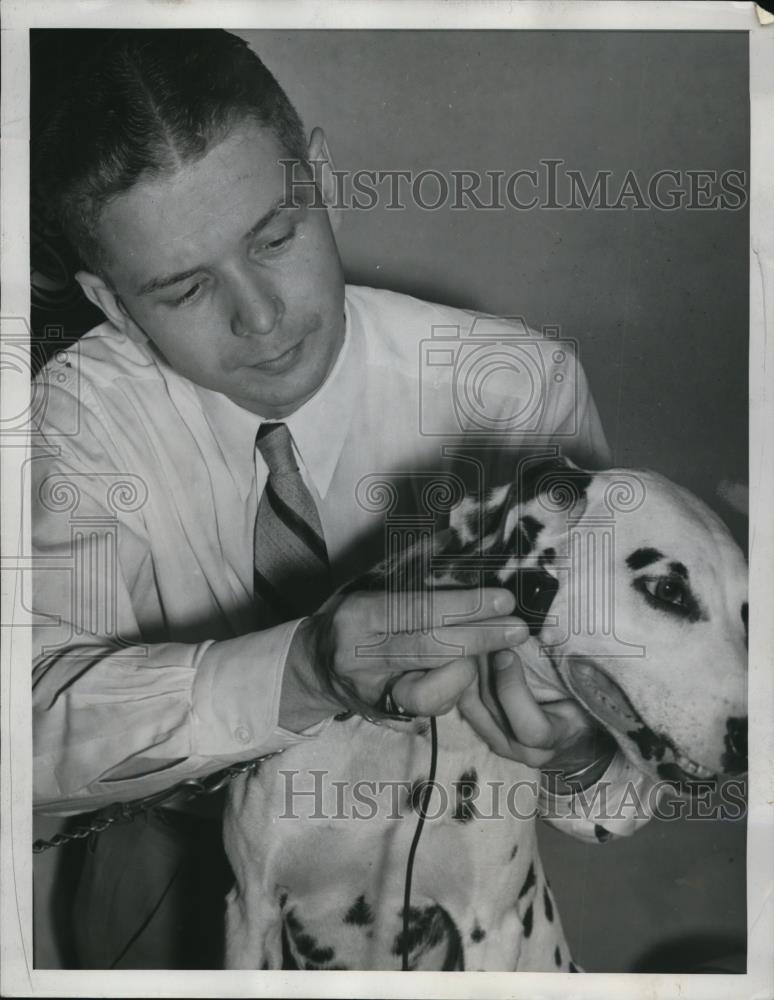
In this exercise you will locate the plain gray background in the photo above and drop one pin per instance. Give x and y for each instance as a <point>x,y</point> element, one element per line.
<point>658,302</point>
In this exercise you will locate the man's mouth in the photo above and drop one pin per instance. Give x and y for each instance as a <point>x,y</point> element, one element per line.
<point>281,362</point>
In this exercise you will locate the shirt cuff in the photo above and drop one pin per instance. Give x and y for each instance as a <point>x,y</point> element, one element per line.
<point>236,696</point>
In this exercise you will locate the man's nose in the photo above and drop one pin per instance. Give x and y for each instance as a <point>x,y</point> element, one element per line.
<point>256,307</point>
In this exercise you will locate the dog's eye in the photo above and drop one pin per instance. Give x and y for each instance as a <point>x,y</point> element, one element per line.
<point>671,594</point>
<point>668,589</point>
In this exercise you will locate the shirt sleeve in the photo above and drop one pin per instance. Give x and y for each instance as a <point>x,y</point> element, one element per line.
<point>116,716</point>
<point>576,426</point>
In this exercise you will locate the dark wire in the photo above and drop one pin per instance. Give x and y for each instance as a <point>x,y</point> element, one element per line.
<point>427,791</point>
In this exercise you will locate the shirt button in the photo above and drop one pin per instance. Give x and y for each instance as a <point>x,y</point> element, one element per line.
<point>242,733</point>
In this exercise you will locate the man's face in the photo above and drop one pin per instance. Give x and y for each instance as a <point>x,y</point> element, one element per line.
<point>240,294</point>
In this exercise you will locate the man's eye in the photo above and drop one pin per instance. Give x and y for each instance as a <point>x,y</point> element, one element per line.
<point>667,590</point>
<point>277,243</point>
<point>189,295</point>
<point>280,241</point>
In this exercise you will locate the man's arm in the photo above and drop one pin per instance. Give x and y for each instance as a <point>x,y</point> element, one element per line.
<point>118,712</point>
<point>574,420</point>
<point>117,717</point>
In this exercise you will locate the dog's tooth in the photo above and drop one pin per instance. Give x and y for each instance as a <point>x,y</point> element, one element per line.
<point>691,767</point>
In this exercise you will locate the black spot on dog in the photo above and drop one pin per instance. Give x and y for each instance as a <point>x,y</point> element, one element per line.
<point>547,904</point>
<point>522,539</point>
<point>427,927</point>
<point>531,527</point>
<point>650,745</point>
<point>558,957</point>
<point>527,920</point>
<point>547,557</point>
<point>534,590</point>
<point>734,760</point>
<point>602,834</point>
<point>478,933</point>
<point>466,789</point>
<point>574,967</point>
<point>679,569</point>
<point>529,882</point>
<point>306,945</point>
<point>359,914</point>
<point>641,558</point>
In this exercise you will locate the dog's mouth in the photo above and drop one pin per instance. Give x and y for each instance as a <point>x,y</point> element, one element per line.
<point>607,702</point>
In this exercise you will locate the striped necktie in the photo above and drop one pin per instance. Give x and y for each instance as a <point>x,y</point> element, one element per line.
<point>291,570</point>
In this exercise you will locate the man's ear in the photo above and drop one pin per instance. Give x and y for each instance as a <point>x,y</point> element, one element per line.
<point>319,157</point>
<point>98,292</point>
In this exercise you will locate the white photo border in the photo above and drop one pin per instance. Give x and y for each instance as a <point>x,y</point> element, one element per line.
<point>18,978</point>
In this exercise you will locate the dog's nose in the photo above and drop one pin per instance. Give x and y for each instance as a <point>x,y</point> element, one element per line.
<point>735,757</point>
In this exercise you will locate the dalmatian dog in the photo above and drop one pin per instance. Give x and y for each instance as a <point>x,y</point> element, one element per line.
<point>634,594</point>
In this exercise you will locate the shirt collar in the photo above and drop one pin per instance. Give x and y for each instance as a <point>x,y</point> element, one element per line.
<point>319,427</point>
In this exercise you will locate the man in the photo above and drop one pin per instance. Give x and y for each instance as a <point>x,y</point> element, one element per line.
<point>167,650</point>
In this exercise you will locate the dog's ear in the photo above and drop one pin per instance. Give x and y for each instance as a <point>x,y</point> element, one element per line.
<point>547,487</point>
<point>554,483</point>
<point>479,515</point>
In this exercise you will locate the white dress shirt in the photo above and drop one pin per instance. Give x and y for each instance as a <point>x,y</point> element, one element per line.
<point>149,669</point>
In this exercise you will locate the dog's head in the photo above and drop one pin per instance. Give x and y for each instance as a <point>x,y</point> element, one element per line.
<point>645,609</point>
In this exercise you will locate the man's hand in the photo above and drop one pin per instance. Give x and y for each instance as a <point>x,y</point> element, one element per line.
<point>343,657</point>
<point>500,707</point>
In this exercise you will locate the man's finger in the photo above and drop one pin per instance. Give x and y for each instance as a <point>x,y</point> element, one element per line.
<point>488,729</point>
<point>529,723</point>
<point>484,724</point>
<point>454,607</point>
<point>435,648</point>
<point>426,609</point>
<point>436,692</point>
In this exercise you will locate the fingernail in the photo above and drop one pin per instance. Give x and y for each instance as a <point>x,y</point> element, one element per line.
<point>517,634</point>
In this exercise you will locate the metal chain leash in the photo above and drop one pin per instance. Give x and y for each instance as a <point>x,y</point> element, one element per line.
<point>124,812</point>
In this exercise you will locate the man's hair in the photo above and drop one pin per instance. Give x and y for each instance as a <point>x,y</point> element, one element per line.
<point>141,104</point>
